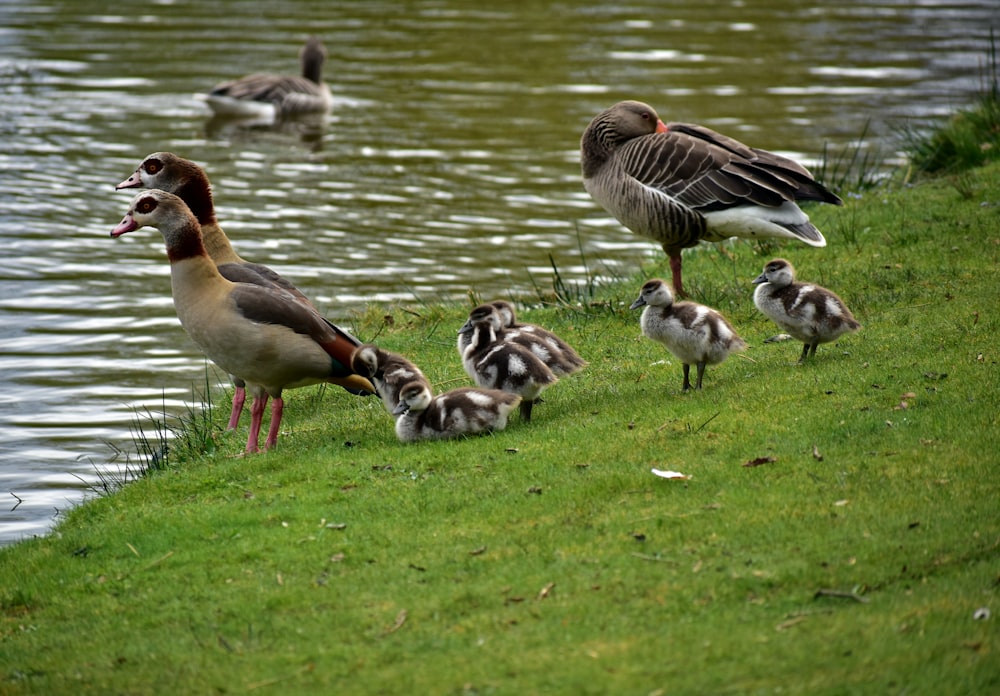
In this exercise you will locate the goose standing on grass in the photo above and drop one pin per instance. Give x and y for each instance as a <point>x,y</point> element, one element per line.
<point>463,411</point>
<point>557,355</point>
<point>679,183</point>
<point>496,364</point>
<point>561,358</point>
<point>810,313</point>
<point>695,334</point>
<point>260,335</point>
<point>275,96</point>
<point>182,177</point>
<point>389,372</point>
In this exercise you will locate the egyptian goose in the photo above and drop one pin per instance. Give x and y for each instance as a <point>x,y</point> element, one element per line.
<point>261,335</point>
<point>679,183</point>
<point>463,411</point>
<point>272,96</point>
<point>387,371</point>
<point>695,334</point>
<point>173,174</point>
<point>810,313</point>
<point>496,364</point>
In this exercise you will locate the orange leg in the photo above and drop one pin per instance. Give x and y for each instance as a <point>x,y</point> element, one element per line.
<point>239,396</point>
<point>675,270</point>
<point>277,407</point>
<point>256,418</point>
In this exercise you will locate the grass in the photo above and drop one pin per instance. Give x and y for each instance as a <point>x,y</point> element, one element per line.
<point>968,139</point>
<point>547,558</point>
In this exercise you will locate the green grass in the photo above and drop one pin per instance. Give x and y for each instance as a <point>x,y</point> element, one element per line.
<point>547,558</point>
<point>970,138</point>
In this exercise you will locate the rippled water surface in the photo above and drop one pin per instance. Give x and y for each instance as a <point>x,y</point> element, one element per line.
<point>449,163</point>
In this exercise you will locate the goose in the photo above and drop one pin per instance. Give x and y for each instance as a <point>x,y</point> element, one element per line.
<point>557,355</point>
<point>389,372</point>
<point>261,335</point>
<point>271,96</point>
<point>174,174</point>
<point>462,411</point>
<point>695,334</point>
<point>681,183</point>
<point>495,364</point>
<point>810,313</point>
<point>564,361</point>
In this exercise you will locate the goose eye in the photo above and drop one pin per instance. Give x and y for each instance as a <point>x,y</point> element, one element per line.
<point>153,166</point>
<point>146,205</point>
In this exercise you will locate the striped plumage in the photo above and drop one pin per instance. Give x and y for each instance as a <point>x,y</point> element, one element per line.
<point>695,334</point>
<point>388,371</point>
<point>463,411</point>
<point>262,336</point>
<point>810,313</point>
<point>185,179</point>
<point>277,95</point>
<point>557,355</point>
<point>680,183</point>
<point>495,364</point>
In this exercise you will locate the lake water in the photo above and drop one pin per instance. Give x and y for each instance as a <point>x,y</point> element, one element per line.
<point>449,163</point>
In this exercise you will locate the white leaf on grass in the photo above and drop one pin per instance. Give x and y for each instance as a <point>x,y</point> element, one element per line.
<point>670,474</point>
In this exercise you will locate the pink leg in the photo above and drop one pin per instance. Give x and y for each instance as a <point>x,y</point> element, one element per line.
<point>675,270</point>
<point>239,396</point>
<point>277,407</point>
<point>256,417</point>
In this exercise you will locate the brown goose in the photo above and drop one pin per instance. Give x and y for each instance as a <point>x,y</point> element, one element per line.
<point>260,335</point>
<point>810,313</point>
<point>182,177</point>
<point>679,183</point>
<point>695,334</point>
<point>272,96</point>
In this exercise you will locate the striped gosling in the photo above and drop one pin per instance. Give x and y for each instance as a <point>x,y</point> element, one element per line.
<point>810,313</point>
<point>695,334</point>
<point>463,411</point>
<point>389,372</point>
<point>495,364</point>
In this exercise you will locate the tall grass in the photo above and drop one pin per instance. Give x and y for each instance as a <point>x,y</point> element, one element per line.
<point>970,138</point>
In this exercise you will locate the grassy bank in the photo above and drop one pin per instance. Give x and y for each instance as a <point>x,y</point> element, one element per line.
<point>547,558</point>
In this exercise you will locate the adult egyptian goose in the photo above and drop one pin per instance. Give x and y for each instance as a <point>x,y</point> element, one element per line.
<point>557,355</point>
<point>273,96</point>
<point>679,183</point>
<point>182,177</point>
<point>388,371</point>
<point>496,364</point>
<point>463,411</point>
<point>810,313</point>
<point>695,334</point>
<point>261,335</point>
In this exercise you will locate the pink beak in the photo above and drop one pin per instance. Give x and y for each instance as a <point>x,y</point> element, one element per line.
<point>126,225</point>
<point>661,127</point>
<point>131,182</point>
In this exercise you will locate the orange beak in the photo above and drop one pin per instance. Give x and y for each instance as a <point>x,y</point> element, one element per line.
<point>661,127</point>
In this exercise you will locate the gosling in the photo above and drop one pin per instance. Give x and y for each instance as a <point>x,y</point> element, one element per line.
<point>810,313</point>
<point>494,364</point>
<point>463,411</point>
<point>389,372</point>
<point>695,334</point>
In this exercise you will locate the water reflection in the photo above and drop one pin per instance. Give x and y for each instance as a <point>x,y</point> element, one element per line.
<point>452,143</point>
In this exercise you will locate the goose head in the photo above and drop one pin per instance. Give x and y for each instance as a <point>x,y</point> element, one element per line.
<point>778,272</point>
<point>483,314</point>
<point>155,208</point>
<point>655,293</point>
<point>414,396</point>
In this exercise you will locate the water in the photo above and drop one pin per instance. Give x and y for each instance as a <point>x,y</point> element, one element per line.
<point>449,163</point>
